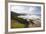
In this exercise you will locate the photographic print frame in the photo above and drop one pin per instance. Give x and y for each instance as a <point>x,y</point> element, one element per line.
<point>22,29</point>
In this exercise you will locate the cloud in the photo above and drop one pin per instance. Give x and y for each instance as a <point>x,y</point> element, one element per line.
<point>26,9</point>
<point>31,11</point>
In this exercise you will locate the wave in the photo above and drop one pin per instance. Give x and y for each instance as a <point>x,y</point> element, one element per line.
<point>30,16</point>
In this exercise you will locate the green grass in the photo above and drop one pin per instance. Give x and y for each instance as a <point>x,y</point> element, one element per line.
<point>17,25</point>
<point>14,23</point>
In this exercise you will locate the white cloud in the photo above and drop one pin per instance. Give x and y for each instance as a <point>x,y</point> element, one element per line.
<point>27,10</point>
<point>23,9</point>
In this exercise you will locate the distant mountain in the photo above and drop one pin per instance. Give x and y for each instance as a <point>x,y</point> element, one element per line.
<point>16,14</point>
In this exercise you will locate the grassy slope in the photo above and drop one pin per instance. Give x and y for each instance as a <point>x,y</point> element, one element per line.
<point>14,24</point>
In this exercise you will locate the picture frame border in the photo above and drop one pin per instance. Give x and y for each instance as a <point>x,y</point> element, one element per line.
<point>6,15</point>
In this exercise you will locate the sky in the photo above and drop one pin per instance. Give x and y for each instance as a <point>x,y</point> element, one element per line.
<point>26,9</point>
<point>31,11</point>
